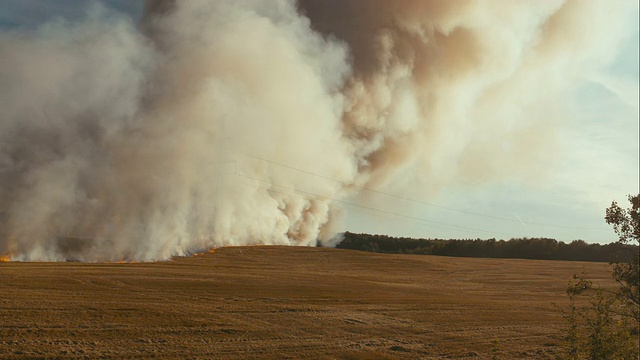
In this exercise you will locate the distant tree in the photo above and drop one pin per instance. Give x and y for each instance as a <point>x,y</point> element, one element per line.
<point>517,248</point>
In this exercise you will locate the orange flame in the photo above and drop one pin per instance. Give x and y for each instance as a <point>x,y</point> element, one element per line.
<point>5,258</point>
<point>120,262</point>
<point>210,251</point>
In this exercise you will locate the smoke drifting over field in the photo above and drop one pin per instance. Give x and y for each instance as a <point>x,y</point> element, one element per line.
<point>208,123</point>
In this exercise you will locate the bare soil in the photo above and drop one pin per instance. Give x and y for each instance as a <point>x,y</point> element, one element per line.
<point>268,302</point>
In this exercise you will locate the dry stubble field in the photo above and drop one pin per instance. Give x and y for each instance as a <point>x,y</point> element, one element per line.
<point>286,303</point>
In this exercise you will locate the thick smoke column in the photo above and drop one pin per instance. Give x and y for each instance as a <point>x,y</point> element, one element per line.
<point>463,89</point>
<point>205,124</point>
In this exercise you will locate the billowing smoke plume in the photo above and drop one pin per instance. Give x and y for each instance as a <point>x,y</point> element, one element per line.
<point>230,122</point>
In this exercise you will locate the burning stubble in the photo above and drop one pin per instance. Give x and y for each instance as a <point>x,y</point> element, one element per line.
<point>217,123</point>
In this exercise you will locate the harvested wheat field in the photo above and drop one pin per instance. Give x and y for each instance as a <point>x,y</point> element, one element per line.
<point>287,303</point>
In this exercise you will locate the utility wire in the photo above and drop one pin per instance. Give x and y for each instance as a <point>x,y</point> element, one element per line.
<point>371,208</point>
<point>421,202</point>
<point>396,217</point>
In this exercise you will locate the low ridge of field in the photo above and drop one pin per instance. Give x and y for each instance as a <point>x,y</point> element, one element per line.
<point>287,303</point>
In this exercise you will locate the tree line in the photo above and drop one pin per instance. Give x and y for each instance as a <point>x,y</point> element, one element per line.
<point>517,248</point>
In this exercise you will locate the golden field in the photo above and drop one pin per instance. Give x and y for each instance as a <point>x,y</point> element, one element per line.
<point>268,302</point>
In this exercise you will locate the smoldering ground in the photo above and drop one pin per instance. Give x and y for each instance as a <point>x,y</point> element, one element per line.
<point>213,123</point>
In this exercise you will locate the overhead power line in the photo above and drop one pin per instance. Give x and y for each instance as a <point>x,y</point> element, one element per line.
<point>361,209</point>
<point>419,201</point>
<point>368,207</point>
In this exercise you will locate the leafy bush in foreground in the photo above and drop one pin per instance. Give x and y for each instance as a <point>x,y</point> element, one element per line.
<point>607,326</point>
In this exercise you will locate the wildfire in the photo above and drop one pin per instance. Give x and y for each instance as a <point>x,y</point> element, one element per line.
<point>210,251</point>
<point>5,258</point>
<point>120,262</point>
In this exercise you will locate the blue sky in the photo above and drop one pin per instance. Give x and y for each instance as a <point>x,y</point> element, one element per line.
<point>31,13</point>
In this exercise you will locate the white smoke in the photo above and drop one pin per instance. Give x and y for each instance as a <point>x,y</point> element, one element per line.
<point>242,122</point>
